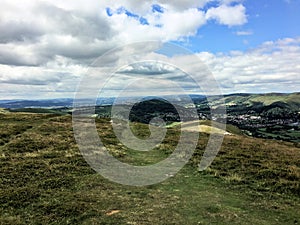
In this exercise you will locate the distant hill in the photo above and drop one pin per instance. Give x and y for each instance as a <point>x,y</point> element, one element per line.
<point>291,101</point>
<point>48,103</point>
<point>254,103</point>
<point>39,110</point>
<point>148,109</point>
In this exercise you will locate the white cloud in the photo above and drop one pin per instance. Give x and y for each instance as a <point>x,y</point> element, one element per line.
<point>149,68</point>
<point>244,33</point>
<point>273,66</point>
<point>46,46</point>
<point>229,2</point>
<point>228,15</point>
<point>34,32</point>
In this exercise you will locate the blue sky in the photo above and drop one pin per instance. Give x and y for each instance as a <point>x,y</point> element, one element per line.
<point>47,47</point>
<point>267,21</point>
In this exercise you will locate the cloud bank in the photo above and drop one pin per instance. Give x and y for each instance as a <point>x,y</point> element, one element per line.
<point>47,46</point>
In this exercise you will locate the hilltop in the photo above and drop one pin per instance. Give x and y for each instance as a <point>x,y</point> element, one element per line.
<point>261,101</point>
<point>44,179</point>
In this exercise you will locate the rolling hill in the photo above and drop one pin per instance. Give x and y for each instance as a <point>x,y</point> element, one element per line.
<point>45,180</point>
<point>290,101</point>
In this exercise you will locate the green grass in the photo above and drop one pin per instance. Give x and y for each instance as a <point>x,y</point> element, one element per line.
<point>271,98</point>
<point>266,99</point>
<point>45,180</point>
<point>282,133</point>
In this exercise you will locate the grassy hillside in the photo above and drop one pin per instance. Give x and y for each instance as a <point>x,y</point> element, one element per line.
<point>292,100</point>
<point>268,99</point>
<point>45,180</point>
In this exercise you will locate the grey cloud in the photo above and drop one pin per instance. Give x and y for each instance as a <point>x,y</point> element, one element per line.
<point>47,32</point>
<point>147,69</point>
<point>30,81</point>
<point>75,23</point>
<point>39,75</point>
<point>50,31</point>
<point>19,31</point>
<point>185,4</point>
<point>74,48</point>
<point>81,35</point>
<point>13,55</point>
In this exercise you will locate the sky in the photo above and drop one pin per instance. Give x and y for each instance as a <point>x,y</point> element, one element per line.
<point>47,47</point>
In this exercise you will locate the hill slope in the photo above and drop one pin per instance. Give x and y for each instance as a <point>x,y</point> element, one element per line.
<point>290,101</point>
<point>44,179</point>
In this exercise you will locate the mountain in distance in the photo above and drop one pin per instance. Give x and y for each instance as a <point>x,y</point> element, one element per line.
<point>42,103</point>
<point>68,102</point>
<point>290,100</point>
